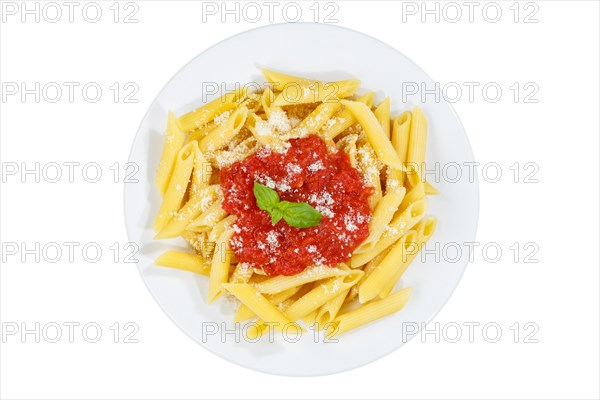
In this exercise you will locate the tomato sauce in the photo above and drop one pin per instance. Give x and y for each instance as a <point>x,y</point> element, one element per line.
<point>305,172</point>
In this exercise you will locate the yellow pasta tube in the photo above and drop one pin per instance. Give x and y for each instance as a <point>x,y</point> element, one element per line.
<point>417,139</point>
<point>280,283</point>
<point>244,313</point>
<point>206,220</point>
<point>400,224</point>
<point>401,133</point>
<point>369,313</point>
<point>224,158</point>
<point>266,100</point>
<point>343,119</point>
<point>184,261</point>
<point>279,80</point>
<point>321,294</point>
<point>397,258</point>
<point>260,327</point>
<point>262,131</point>
<point>415,194</point>
<point>338,89</point>
<point>255,301</point>
<point>222,134</point>
<point>367,98</point>
<point>316,119</point>
<point>375,134</point>
<point>241,274</point>
<point>199,133</point>
<point>201,173</point>
<point>348,145</point>
<point>195,239</point>
<point>192,208</point>
<point>206,113</point>
<point>331,92</point>
<point>219,269</point>
<point>424,229</point>
<point>393,179</point>
<point>367,269</point>
<point>367,163</point>
<point>174,139</point>
<point>178,184</point>
<point>382,216</point>
<point>382,113</point>
<point>329,310</point>
<point>217,229</point>
<point>251,101</point>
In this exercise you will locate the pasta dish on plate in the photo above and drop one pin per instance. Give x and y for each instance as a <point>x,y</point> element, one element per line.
<point>303,200</point>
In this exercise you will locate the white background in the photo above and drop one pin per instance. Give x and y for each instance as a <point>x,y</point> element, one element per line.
<point>559,133</point>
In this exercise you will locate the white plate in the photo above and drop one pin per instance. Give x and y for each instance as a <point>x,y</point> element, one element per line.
<point>329,53</point>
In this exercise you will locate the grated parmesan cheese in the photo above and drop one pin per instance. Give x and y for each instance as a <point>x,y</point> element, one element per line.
<point>222,118</point>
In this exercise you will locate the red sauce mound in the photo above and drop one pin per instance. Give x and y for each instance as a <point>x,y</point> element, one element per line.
<point>306,172</point>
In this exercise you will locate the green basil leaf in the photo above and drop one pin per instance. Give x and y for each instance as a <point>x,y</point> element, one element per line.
<point>266,198</point>
<point>284,205</point>
<point>300,215</point>
<point>276,214</point>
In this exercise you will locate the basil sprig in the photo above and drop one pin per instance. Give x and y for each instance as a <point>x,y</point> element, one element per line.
<point>299,215</point>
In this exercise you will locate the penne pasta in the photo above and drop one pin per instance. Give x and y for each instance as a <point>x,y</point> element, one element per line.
<point>278,80</point>
<point>266,100</point>
<point>183,261</point>
<point>239,183</point>
<point>309,90</point>
<point>348,145</point>
<point>220,227</point>
<point>382,113</point>
<point>400,134</point>
<point>344,119</point>
<point>280,283</point>
<point>192,208</point>
<point>174,139</point>
<point>263,131</point>
<point>222,134</point>
<point>255,301</point>
<point>400,224</point>
<point>417,139</point>
<point>424,229</point>
<point>415,194</point>
<point>243,313</point>
<point>251,101</point>
<point>381,275</point>
<point>219,269</point>
<point>206,220</point>
<point>201,173</point>
<point>205,114</point>
<point>367,98</point>
<point>368,313</point>
<point>198,134</point>
<point>197,240</point>
<point>316,119</point>
<point>241,274</point>
<point>328,311</point>
<point>367,163</point>
<point>178,184</point>
<point>375,134</point>
<point>367,269</point>
<point>321,294</point>
<point>382,216</point>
